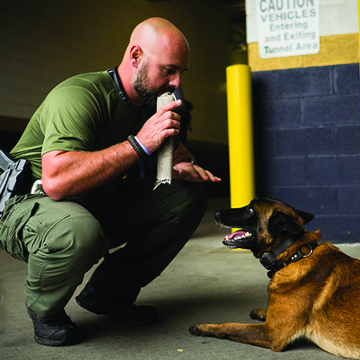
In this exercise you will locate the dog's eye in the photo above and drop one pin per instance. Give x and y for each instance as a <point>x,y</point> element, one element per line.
<point>250,211</point>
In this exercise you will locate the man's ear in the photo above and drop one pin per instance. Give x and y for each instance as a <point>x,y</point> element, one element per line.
<point>135,55</point>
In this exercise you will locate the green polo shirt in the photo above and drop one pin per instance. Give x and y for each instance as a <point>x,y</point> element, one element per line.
<point>83,113</point>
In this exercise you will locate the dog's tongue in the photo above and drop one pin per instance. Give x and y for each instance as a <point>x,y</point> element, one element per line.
<point>238,234</point>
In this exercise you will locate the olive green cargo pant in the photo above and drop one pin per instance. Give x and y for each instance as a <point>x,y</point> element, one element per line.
<point>62,240</point>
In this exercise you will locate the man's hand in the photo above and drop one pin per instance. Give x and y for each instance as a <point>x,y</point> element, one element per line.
<point>193,173</point>
<point>161,125</point>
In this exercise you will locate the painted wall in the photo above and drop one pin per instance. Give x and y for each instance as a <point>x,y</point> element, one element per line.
<point>42,43</point>
<point>307,123</point>
<point>338,43</point>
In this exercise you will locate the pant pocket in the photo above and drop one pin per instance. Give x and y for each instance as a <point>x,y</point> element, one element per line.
<point>35,231</point>
<point>11,230</point>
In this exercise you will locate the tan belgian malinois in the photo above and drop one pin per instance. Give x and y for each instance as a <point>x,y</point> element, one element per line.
<point>314,288</point>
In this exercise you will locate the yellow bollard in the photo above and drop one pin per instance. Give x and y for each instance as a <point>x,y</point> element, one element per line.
<point>240,129</point>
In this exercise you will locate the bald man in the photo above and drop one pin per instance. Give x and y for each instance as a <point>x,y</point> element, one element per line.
<point>81,142</point>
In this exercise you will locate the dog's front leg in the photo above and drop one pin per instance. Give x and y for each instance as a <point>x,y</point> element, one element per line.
<point>258,334</point>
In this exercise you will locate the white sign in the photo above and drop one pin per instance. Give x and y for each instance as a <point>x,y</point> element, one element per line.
<point>288,27</point>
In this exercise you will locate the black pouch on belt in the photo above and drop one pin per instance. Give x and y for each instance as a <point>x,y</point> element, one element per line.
<point>14,179</point>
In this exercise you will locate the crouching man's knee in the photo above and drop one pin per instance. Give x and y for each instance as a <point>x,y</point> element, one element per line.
<point>78,241</point>
<point>192,201</point>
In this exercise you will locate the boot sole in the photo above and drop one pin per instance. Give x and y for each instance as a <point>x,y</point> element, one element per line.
<point>115,317</point>
<point>66,340</point>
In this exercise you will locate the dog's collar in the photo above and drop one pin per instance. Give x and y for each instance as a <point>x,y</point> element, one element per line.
<point>294,258</point>
<point>268,259</point>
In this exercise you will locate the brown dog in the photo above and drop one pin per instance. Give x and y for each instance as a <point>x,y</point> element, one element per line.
<point>314,289</point>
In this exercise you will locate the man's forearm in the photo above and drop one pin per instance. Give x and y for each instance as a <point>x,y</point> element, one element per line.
<point>72,173</point>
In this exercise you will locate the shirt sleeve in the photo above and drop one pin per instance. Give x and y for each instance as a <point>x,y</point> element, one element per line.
<point>71,118</point>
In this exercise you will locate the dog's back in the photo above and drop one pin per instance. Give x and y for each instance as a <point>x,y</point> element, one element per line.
<point>327,288</point>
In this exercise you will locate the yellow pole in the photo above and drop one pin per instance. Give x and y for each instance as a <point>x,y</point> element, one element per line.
<point>240,128</point>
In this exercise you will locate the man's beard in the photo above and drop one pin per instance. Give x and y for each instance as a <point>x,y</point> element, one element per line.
<point>148,94</point>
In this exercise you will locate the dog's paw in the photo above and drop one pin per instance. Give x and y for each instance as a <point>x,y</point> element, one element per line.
<point>197,329</point>
<point>258,314</point>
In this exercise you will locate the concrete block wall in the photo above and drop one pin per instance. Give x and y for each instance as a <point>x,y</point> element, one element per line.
<point>307,123</point>
<point>307,139</point>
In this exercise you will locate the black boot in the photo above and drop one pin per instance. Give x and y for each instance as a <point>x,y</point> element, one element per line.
<point>58,331</point>
<point>119,309</point>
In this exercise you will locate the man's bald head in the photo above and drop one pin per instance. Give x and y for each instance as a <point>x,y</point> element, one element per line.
<point>159,45</point>
<point>156,35</point>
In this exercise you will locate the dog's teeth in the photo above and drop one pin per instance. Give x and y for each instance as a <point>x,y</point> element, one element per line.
<point>237,236</point>
<point>247,234</point>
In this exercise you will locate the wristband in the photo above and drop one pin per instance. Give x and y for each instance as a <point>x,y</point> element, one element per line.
<point>136,146</point>
<point>147,152</point>
<point>191,161</point>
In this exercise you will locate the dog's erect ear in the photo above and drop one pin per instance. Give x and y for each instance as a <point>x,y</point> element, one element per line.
<point>280,222</point>
<point>306,216</point>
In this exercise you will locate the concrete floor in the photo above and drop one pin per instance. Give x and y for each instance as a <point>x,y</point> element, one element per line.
<point>205,283</point>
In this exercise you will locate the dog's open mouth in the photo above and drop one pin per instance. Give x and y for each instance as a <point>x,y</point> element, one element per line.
<point>238,239</point>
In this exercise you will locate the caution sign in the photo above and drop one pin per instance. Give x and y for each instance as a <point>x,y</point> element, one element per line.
<point>287,27</point>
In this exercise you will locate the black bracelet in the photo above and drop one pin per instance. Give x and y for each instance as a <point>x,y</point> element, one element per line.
<point>136,146</point>
<point>191,161</point>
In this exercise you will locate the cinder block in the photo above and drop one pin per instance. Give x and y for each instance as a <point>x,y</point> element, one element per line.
<point>264,144</point>
<point>348,170</point>
<point>316,200</point>
<point>346,79</point>
<point>279,114</point>
<point>333,170</point>
<point>322,170</point>
<point>337,228</point>
<point>291,142</point>
<point>264,85</point>
<point>320,141</point>
<point>349,200</point>
<point>301,82</point>
<point>331,110</point>
<point>309,141</point>
<point>285,171</point>
<point>348,140</point>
